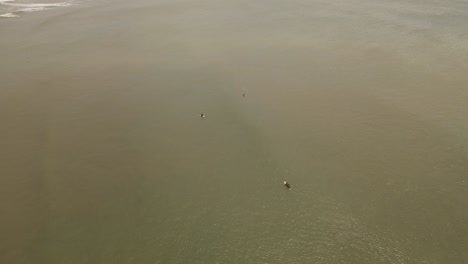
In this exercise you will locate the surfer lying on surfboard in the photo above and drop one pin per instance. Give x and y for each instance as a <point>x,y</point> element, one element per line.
<point>286,184</point>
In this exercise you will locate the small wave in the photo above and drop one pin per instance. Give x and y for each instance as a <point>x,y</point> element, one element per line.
<point>32,9</point>
<point>16,8</point>
<point>38,5</point>
<point>8,15</point>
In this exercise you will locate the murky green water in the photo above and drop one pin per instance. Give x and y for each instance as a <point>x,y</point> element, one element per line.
<point>361,105</point>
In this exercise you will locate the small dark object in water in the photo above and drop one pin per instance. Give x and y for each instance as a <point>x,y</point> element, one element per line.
<point>286,184</point>
<point>202,115</point>
<point>243,94</point>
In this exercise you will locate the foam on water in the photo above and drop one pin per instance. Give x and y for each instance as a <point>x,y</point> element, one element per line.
<point>8,15</point>
<point>39,5</point>
<point>32,9</point>
<point>13,9</point>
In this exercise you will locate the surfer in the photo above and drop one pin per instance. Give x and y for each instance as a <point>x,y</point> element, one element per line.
<point>286,184</point>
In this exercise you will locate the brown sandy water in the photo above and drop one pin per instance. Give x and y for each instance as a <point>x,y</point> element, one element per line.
<point>361,105</point>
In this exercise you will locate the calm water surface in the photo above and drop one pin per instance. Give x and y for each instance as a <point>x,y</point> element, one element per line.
<point>361,105</point>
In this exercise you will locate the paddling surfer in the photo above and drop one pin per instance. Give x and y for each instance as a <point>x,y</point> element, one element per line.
<point>287,185</point>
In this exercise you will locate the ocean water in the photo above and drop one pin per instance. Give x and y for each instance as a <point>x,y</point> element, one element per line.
<point>360,105</point>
